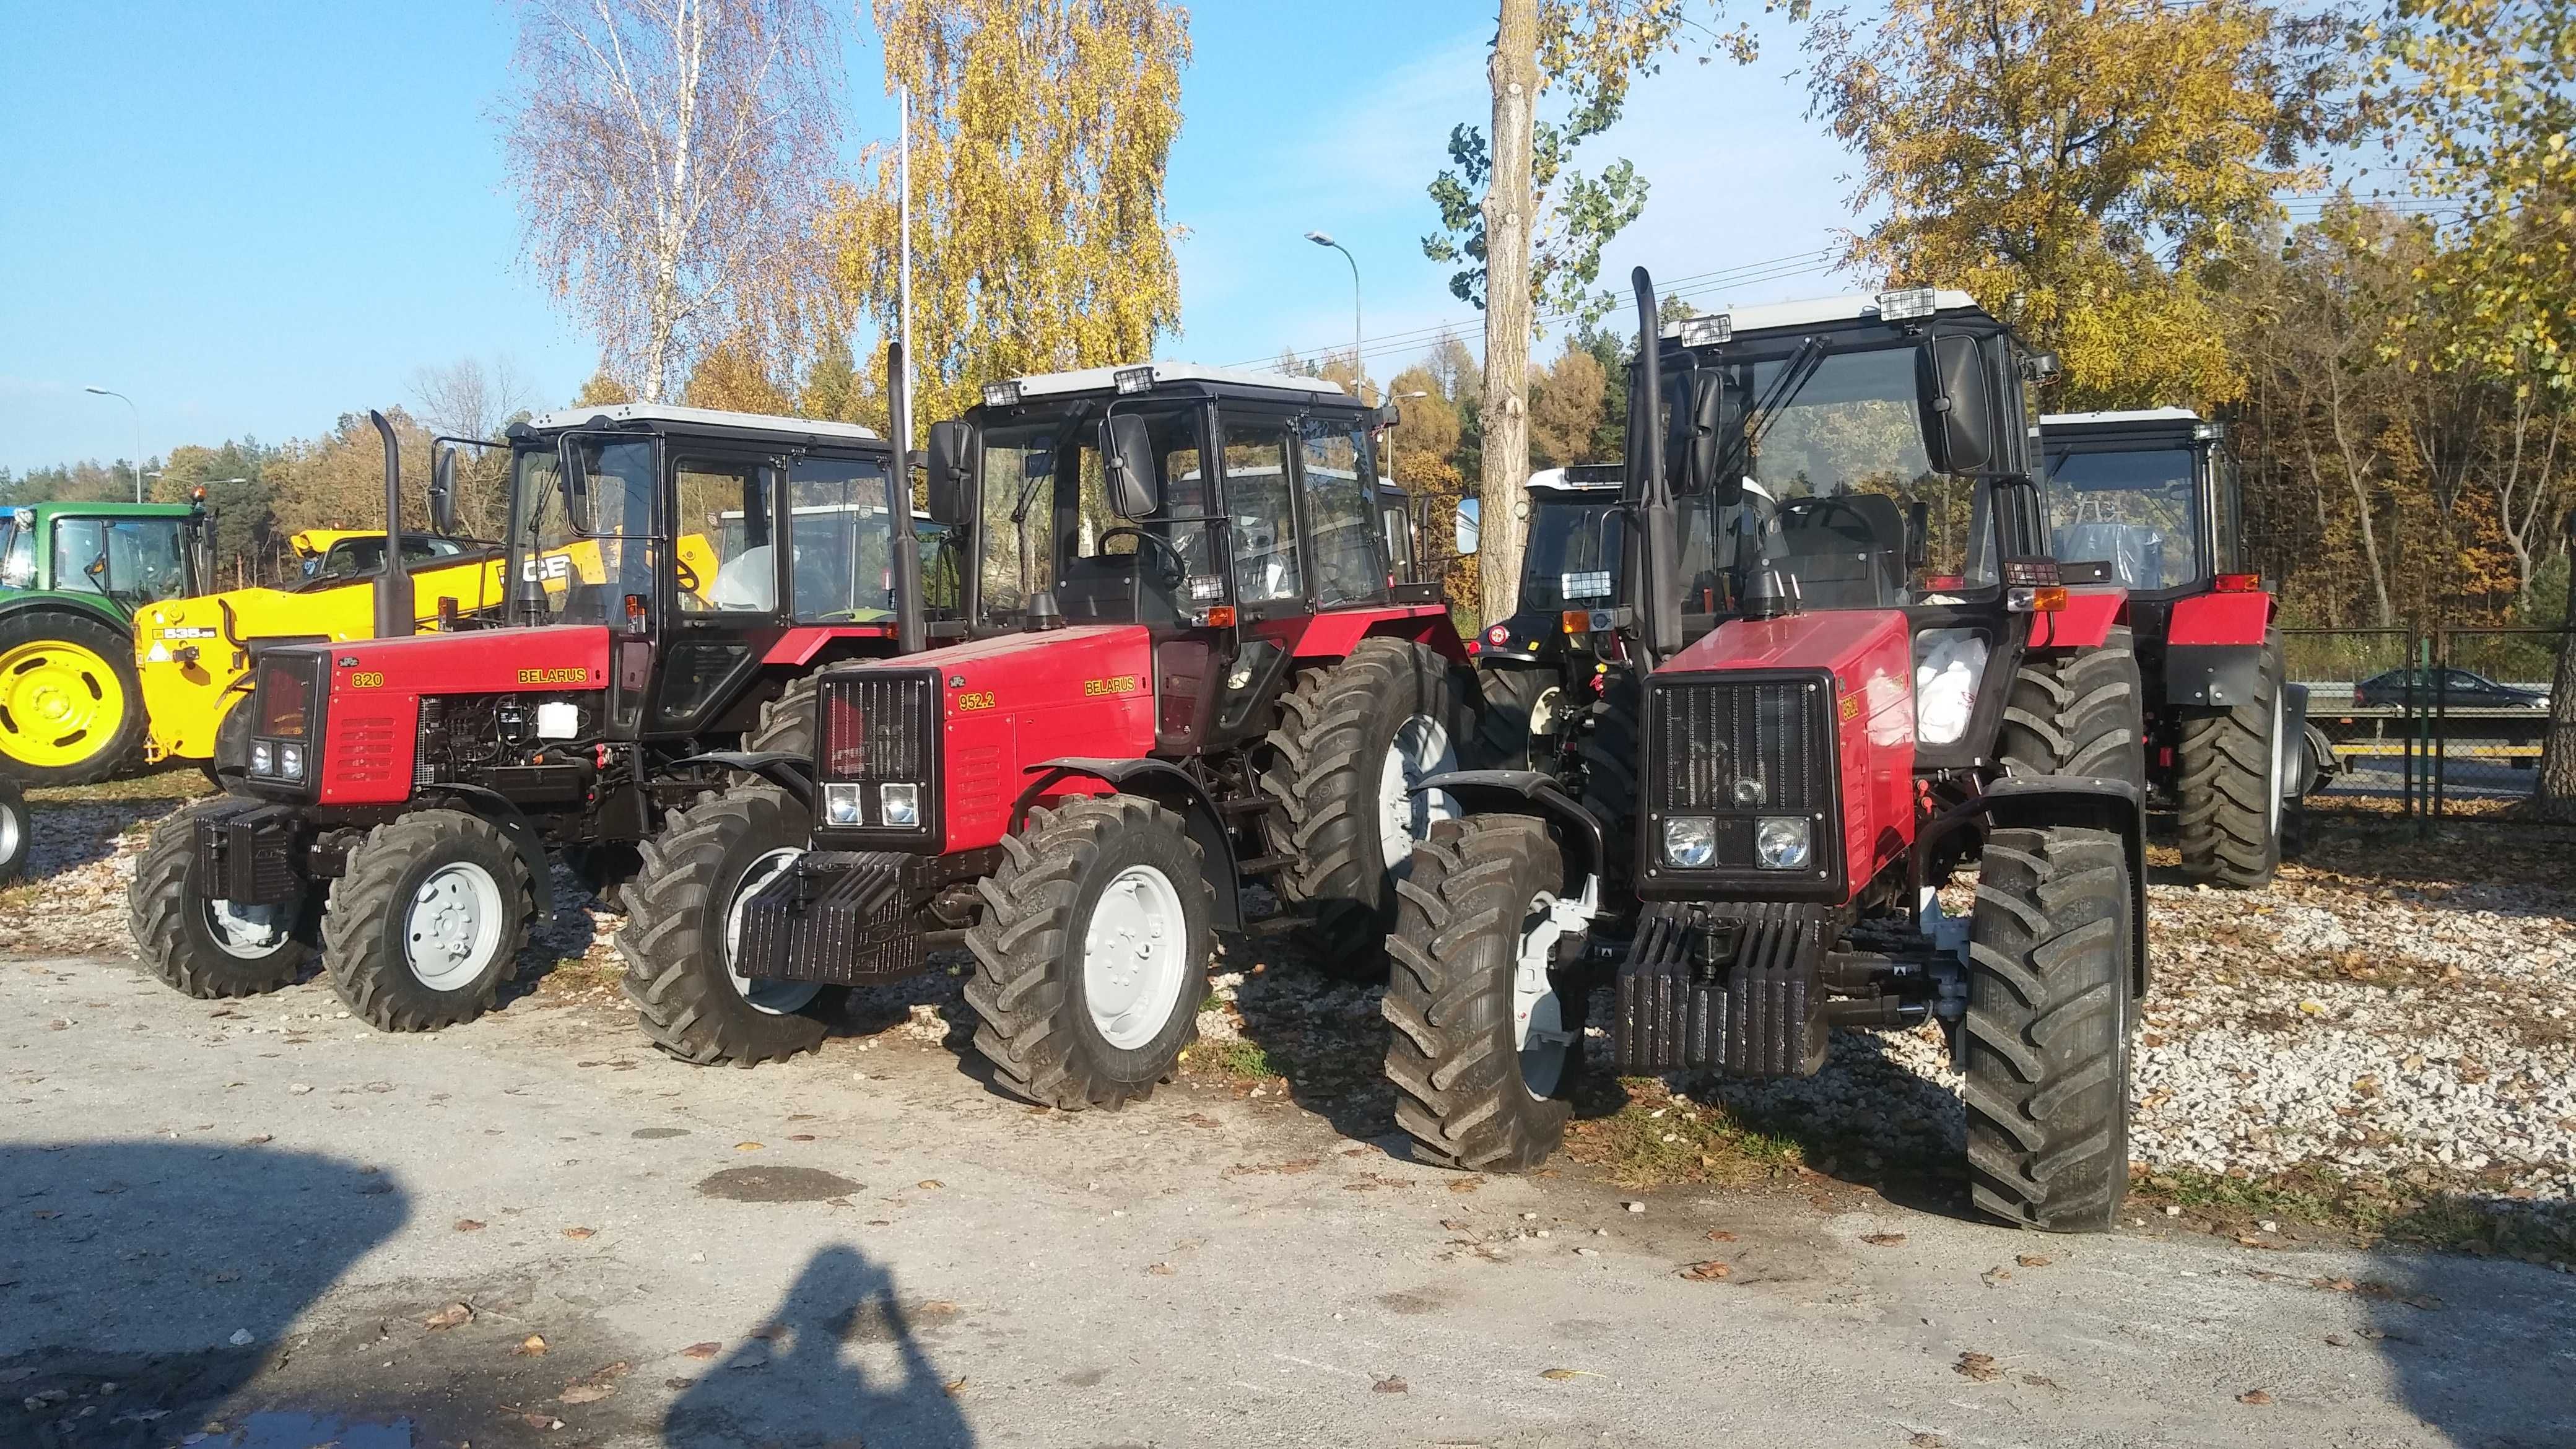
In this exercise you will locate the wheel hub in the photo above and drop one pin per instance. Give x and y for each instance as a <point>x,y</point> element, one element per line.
<point>1421,749</point>
<point>453,927</point>
<point>58,701</point>
<point>1135,957</point>
<point>1539,1030</point>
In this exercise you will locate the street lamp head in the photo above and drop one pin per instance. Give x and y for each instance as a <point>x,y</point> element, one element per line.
<point>102,392</point>
<point>1317,237</point>
<point>1411,396</point>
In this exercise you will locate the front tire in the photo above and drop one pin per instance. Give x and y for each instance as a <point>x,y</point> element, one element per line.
<point>206,948</point>
<point>427,920</point>
<point>1486,1046</point>
<point>2078,712</point>
<point>71,710</point>
<point>15,830</point>
<point>1091,957</point>
<point>2048,1029</point>
<point>1351,740</point>
<point>2231,772</point>
<point>685,920</point>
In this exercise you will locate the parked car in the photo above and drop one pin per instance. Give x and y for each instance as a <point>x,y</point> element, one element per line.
<point>2452,688</point>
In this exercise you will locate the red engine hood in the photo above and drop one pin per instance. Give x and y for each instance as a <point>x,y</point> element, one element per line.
<point>474,661</point>
<point>1828,639</point>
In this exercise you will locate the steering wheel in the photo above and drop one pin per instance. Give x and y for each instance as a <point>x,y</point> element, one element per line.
<point>688,577</point>
<point>1169,550</point>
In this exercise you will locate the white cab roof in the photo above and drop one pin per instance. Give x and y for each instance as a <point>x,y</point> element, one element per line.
<point>702,417</point>
<point>1850,307</point>
<point>2139,415</point>
<point>1103,379</point>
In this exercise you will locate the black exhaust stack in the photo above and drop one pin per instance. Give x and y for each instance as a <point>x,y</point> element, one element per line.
<point>905,561</point>
<point>1653,559</point>
<point>394,616</point>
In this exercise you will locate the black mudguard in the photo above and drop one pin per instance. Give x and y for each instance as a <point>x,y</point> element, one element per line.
<point>1525,791</point>
<point>514,826</point>
<point>791,773</point>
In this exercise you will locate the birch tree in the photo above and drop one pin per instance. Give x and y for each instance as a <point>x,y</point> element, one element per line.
<point>669,157</point>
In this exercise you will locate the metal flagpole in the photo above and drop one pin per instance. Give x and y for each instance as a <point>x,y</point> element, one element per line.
<point>903,278</point>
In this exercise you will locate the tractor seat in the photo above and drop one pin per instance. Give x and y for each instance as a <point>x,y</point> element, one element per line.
<point>1847,552</point>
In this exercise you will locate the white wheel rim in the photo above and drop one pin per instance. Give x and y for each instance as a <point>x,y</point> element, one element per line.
<point>1539,1032</point>
<point>1421,749</point>
<point>1135,955</point>
<point>767,994</point>
<point>2280,747</point>
<point>246,933</point>
<point>11,832</point>
<point>452,927</point>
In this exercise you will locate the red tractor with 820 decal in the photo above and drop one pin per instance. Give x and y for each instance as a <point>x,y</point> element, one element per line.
<point>1855,670</point>
<point>1192,661</point>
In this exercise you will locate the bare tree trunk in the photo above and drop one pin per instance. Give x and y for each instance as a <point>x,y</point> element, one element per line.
<point>1514,71</point>
<point>2554,794</point>
<point>2355,473</point>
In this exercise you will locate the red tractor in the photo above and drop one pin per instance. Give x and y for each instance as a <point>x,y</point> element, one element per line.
<point>1857,670</point>
<point>677,575</point>
<point>2148,500</point>
<point>1192,663</point>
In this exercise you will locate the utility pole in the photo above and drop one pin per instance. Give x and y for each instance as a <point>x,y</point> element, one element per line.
<point>1514,73</point>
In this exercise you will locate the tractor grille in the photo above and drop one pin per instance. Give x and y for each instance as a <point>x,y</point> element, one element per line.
<point>877,725</point>
<point>1732,749</point>
<point>1709,736</point>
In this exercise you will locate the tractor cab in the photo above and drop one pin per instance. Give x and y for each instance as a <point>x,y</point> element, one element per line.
<point>2151,494</point>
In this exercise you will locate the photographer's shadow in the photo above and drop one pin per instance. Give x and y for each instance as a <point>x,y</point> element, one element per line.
<point>837,1363</point>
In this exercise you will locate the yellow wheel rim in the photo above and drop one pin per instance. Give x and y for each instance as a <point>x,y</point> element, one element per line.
<point>59,704</point>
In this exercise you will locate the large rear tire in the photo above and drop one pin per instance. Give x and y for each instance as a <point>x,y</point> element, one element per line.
<point>2078,712</point>
<point>785,725</point>
<point>71,710</point>
<point>231,759</point>
<point>1485,1045</point>
<point>684,922</point>
<point>1351,739</point>
<point>427,920</point>
<point>2048,1029</point>
<point>2231,769</point>
<point>209,949</point>
<point>1091,958</point>
<point>16,830</point>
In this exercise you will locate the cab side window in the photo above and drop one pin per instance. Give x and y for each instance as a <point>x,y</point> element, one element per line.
<point>838,529</point>
<point>1257,500</point>
<point>80,554</point>
<point>725,554</point>
<point>1340,516</point>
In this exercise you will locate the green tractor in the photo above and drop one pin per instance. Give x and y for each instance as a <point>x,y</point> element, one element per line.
<point>72,576</point>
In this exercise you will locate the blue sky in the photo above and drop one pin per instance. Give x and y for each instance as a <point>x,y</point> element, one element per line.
<point>252,218</point>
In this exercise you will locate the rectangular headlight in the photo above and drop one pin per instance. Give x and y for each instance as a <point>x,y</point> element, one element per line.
<point>841,805</point>
<point>1782,842</point>
<point>901,804</point>
<point>1690,841</point>
<point>1707,331</point>
<point>290,762</point>
<point>263,760</point>
<point>1002,394</point>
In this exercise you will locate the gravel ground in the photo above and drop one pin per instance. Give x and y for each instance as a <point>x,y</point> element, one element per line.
<point>2391,1008</point>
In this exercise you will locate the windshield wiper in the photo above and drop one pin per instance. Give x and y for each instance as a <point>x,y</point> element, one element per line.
<point>1793,379</point>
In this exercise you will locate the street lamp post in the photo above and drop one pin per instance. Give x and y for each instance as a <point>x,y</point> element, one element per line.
<point>1359,372</point>
<point>138,434</point>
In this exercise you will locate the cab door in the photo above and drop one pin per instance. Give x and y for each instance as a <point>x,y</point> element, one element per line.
<point>722,600</point>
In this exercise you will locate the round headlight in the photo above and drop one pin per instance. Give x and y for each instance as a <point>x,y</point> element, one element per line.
<point>1780,842</point>
<point>1690,841</point>
<point>901,803</point>
<point>841,804</point>
<point>1749,792</point>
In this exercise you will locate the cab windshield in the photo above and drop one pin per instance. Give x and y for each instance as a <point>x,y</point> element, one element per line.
<point>1049,522</point>
<point>1573,555</point>
<point>580,544</point>
<point>2138,511</point>
<point>1833,465</point>
<point>17,552</point>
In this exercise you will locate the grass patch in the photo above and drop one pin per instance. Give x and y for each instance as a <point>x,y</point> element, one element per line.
<point>603,972</point>
<point>1239,1059</point>
<point>2459,1217</point>
<point>1656,1139</point>
<point>181,782</point>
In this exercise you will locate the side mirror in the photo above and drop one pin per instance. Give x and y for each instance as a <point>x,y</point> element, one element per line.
<point>1958,408</point>
<point>1134,491</point>
<point>952,447</point>
<point>1387,415</point>
<point>1918,536</point>
<point>1467,521</point>
<point>442,492</point>
<point>578,513</point>
<point>1703,446</point>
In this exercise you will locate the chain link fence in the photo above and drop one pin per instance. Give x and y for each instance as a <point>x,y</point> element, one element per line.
<point>2427,723</point>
